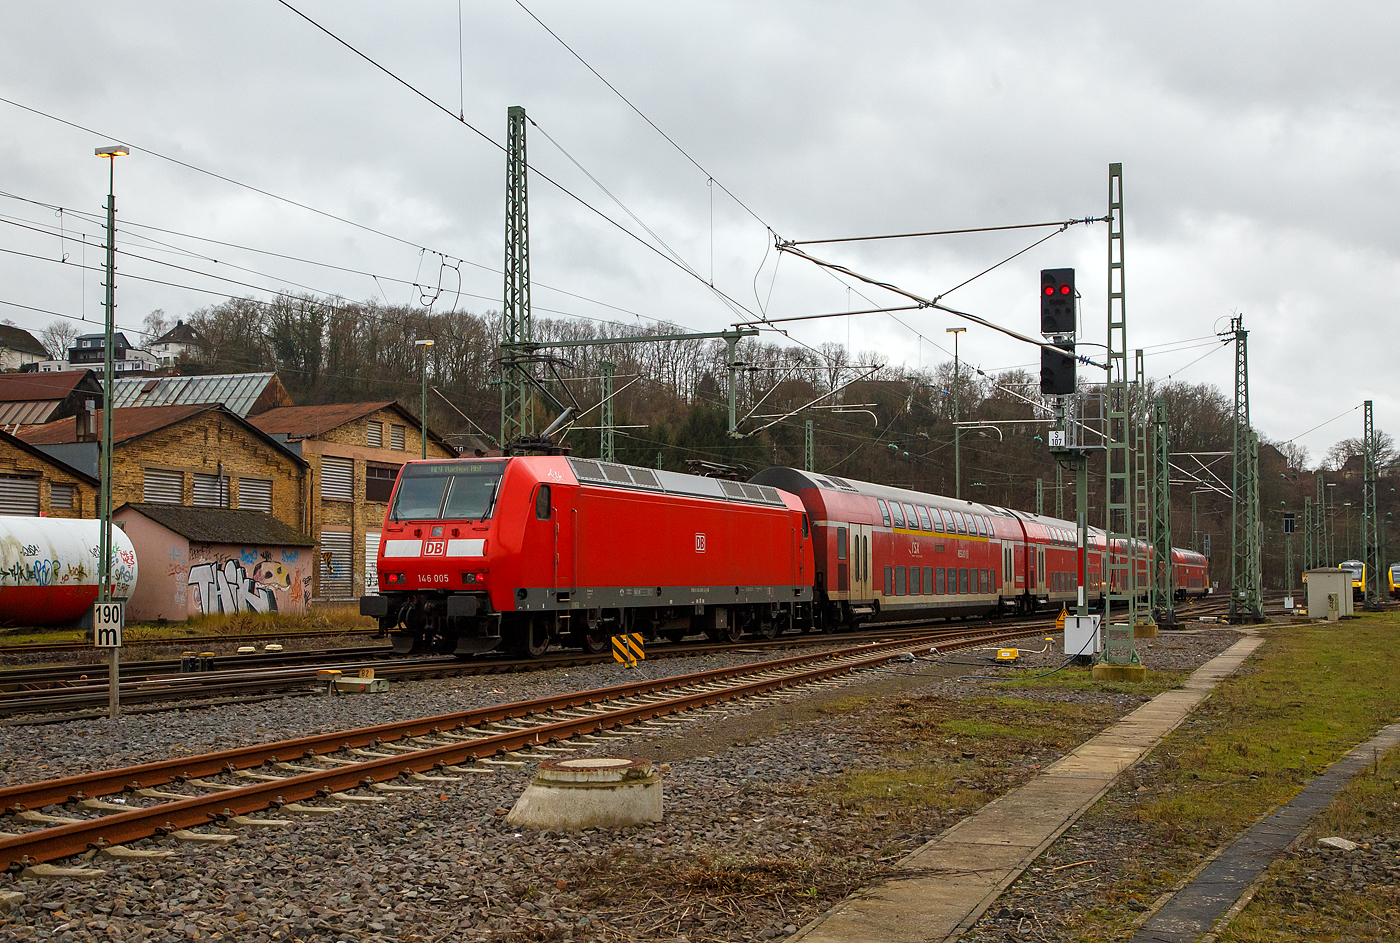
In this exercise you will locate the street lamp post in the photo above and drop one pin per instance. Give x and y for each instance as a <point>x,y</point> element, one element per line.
<point>104,578</point>
<point>425,344</point>
<point>957,445</point>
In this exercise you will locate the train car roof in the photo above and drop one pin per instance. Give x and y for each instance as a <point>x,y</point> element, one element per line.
<point>598,473</point>
<point>794,480</point>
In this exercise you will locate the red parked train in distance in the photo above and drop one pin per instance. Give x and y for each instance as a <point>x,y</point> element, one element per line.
<point>526,552</point>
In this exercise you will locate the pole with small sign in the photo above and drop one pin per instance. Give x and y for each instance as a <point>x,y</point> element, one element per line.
<point>107,621</point>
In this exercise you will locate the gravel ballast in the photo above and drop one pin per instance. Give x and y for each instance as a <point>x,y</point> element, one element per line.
<point>754,855</point>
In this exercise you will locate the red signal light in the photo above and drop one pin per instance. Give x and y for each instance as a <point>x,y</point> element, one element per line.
<point>1049,289</point>
<point>1064,289</point>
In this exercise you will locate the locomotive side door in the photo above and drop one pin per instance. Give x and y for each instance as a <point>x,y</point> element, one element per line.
<point>860,562</point>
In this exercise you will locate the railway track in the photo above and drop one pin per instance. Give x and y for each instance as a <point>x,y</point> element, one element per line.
<point>41,648</point>
<point>65,692</point>
<point>105,811</point>
<point>66,701</point>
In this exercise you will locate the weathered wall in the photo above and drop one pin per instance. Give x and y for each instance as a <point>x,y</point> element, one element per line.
<point>16,461</point>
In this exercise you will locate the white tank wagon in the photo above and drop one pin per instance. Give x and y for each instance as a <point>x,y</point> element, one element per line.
<point>49,569</point>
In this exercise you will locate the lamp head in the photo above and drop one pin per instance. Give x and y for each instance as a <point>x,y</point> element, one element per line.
<point>423,343</point>
<point>113,150</point>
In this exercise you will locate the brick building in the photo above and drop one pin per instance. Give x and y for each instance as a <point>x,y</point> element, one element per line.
<point>35,484</point>
<point>197,456</point>
<point>354,451</point>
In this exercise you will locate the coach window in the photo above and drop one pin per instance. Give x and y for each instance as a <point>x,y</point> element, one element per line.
<point>986,582</point>
<point>898,514</point>
<point>962,521</point>
<point>962,581</point>
<point>924,521</point>
<point>841,543</point>
<point>937,520</point>
<point>911,517</point>
<point>928,580</point>
<point>884,510</point>
<point>940,587</point>
<point>889,581</point>
<point>993,587</point>
<point>915,587</point>
<point>900,575</point>
<point>542,503</point>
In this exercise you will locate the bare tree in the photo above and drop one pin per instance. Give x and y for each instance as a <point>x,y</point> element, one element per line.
<point>58,337</point>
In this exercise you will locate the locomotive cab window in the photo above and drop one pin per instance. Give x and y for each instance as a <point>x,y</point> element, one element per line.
<point>806,529</point>
<point>451,490</point>
<point>543,503</point>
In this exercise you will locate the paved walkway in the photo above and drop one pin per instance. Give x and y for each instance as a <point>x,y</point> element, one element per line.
<point>955,877</point>
<point>1226,884</point>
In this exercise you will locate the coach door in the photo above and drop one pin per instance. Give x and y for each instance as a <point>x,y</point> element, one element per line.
<point>860,562</point>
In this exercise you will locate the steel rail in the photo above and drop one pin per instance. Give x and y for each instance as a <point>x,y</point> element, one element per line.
<point>74,838</point>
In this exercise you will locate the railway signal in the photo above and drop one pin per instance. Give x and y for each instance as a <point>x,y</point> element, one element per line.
<point>1057,301</point>
<point>1057,368</point>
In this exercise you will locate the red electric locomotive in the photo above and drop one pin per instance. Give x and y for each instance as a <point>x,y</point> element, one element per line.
<point>530,551</point>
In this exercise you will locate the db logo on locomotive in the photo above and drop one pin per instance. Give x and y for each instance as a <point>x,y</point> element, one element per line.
<point>699,543</point>
<point>434,548</point>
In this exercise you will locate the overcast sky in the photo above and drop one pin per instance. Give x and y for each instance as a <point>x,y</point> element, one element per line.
<point>1258,142</point>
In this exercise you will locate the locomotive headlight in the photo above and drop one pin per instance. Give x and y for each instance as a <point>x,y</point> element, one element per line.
<point>473,578</point>
<point>394,579</point>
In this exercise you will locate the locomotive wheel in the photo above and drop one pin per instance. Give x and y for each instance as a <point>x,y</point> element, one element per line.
<point>534,639</point>
<point>732,632</point>
<point>593,641</point>
<point>767,628</point>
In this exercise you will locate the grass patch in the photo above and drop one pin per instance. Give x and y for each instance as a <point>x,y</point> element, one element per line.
<point>1305,697</point>
<point>959,753</point>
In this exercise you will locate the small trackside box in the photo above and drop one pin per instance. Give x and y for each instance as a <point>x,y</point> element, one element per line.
<point>377,606</point>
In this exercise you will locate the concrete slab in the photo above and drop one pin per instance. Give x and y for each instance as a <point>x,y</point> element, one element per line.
<point>963,870</point>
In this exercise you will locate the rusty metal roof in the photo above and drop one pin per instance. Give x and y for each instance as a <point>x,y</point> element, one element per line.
<point>314,420</point>
<point>55,385</point>
<point>239,392</point>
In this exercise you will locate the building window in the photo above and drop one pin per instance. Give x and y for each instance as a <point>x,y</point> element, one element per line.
<point>210,491</point>
<point>375,436</point>
<point>61,497</point>
<point>338,478</point>
<point>255,494</point>
<point>19,495</point>
<point>396,437</point>
<point>379,481</point>
<point>163,487</point>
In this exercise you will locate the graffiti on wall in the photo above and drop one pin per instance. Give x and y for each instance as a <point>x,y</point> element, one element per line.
<point>246,580</point>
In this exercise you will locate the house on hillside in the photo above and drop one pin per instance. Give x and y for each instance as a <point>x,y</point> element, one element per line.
<point>354,451</point>
<point>174,344</point>
<point>18,347</point>
<point>202,456</point>
<point>88,353</point>
<point>29,398</point>
<point>244,394</point>
<point>35,484</point>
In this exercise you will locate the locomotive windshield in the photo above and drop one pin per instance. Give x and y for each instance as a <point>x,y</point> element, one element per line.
<point>447,490</point>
